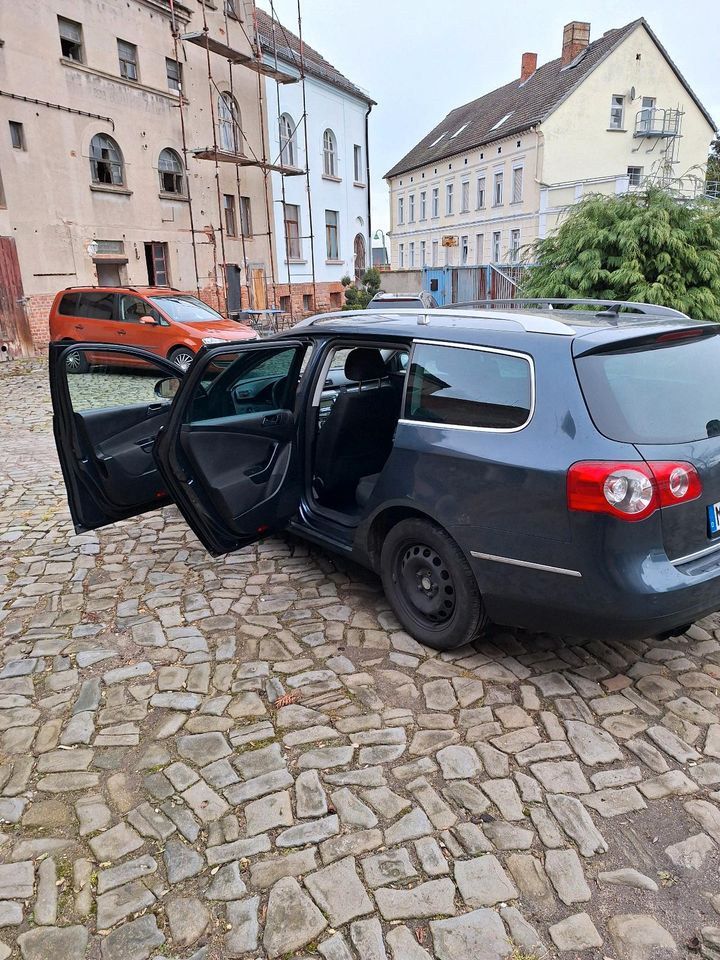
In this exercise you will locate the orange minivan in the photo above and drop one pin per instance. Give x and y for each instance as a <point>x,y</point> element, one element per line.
<point>159,319</point>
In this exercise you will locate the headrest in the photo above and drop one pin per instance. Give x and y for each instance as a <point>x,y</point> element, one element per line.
<point>365,363</point>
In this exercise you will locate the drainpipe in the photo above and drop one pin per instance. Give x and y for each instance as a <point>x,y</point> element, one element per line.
<point>367,178</point>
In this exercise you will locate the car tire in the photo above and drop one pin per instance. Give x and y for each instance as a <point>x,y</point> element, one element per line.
<point>430,585</point>
<point>76,362</point>
<point>182,357</point>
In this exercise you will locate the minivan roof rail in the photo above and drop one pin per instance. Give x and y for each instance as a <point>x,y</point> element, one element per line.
<point>610,307</point>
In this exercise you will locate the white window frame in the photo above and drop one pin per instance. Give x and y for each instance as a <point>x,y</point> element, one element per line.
<point>449,198</point>
<point>479,246</point>
<point>411,208</point>
<point>465,197</point>
<point>435,209</point>
<point>481,195</point>
<point>411,255</point>
<point>435,251</point>
<point>358,164</point>
<point>423,205</point>
<point>423,253</point>
<point>496,246</point>
<point>401,211</point>
<point>617,112</point>
<point>401,255</point>
<point>498,187</point>
<point>464,250</point>
<point>517,183</point>
<point>514,245</point>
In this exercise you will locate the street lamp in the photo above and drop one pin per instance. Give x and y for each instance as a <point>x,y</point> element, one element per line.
<point>377,236</point>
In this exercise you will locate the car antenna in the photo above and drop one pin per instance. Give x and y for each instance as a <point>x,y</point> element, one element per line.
<point>611,312</point>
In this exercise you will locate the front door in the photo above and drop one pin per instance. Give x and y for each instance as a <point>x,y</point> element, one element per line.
<point>225,450</point>
<point>15,337</point>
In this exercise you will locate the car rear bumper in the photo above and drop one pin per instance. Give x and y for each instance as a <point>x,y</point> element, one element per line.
<point>602,594</point>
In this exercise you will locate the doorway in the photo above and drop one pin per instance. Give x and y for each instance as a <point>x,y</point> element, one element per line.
<point>110,274</point>
<point>156,258</point>
<point>15,337</point>
<point>360,256</point>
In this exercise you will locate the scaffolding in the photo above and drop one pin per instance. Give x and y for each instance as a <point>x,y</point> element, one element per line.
<point>244,155</point>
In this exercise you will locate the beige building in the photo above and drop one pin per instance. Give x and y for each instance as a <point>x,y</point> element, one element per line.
<point>133,152</point>
<point>501,171</point>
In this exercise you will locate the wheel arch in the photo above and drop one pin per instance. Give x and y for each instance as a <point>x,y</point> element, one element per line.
<point>181,346</point>
<point>384,521</point>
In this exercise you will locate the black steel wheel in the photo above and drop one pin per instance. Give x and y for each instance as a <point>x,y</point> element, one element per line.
<point>430,585</point>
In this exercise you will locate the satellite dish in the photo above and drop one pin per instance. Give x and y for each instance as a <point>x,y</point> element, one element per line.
<point>632,93</point>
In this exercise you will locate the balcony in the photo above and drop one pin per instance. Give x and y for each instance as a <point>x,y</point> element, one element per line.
<point>656,122</point>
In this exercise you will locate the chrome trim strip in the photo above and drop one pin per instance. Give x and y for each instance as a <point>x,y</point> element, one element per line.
<point>525,563</point>
<point>696,556</point>
<point>468,346</point>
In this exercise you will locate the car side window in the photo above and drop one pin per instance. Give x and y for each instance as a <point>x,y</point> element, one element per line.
<point>97,306</point>
<point>244,382</point>
<point>469,387</point>
<point>101,379</point>
<point>134,309</point>
<point>68,306</point>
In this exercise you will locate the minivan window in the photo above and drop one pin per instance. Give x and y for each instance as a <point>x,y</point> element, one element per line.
<point>664,393</point>
<point>68,305</point>
<point>466,387</point>
<point>186,309</point>
<point>395,303</point>
<point>97,306</point>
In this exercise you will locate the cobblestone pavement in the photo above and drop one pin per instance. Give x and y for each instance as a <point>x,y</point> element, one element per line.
<point>246,757</point>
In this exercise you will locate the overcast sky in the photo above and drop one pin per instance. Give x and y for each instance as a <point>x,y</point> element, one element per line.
<point>420,59</point>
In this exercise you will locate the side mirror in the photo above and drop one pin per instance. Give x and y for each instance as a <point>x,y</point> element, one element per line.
<point>149,322</point>
<point>167,388</point>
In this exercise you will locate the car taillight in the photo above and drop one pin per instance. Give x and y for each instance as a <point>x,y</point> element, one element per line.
<point>630,491</point>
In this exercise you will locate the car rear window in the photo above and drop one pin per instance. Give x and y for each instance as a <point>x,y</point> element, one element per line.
<point>469,387</point>
<point>409,303</point>
<point>664,393</point>
<point>68,305</point>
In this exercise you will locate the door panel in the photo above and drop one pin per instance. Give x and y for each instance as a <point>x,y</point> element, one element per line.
<point>106,418</point>
<point>229,454</point>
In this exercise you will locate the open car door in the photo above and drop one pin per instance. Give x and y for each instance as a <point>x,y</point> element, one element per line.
<point>109,402</point>
<point>228,454</point>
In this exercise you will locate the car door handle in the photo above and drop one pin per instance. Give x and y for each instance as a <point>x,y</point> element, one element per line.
<point>79,326</point>
<point>122,333</point>
<point>271,420</point>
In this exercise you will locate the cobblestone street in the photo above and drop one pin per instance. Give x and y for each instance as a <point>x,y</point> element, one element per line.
<point>246,757</point>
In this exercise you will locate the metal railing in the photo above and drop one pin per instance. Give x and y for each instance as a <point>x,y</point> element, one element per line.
<point>657,122</point>
<point>608,307</point>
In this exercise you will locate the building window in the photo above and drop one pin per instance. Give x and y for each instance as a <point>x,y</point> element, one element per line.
<point>71,40</point>
<point>230,221</point>
<point>288,148</point>
<point>435,247</point>
<point>329,154</point>
<point>285,304</point>
<point>173,71</point>
<point>498,189</point>
<point>480,193</point>
<point>464,250</point>
<point>358,164</point>
<point>229,128</point>
<point>106,162</point>
<point>617,112</point>
<point>423,253</point>
<point>634,175</point>
<point>245,218</point>
<point>411,208</point>
<point>156,258</point>
<point>435,203</point>
<point>170,169</point>
<point>496,247</point>
<point>231,9</point>
<point>308,303</point>
<point>465,197</point>
<point>449,199</point>
<point>292,231</point>
<point>401,210</point>
<point>17,135</point>
<point>411,255</point>
<point>401,255</point>
<point>128,57</point>
<point>514,245</point>
<point>423,204</point>
<point>517,184</point>
<point>332,248</point>
<point>644,121</point>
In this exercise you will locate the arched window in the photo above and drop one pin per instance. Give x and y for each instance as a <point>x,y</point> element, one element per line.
<point>229,127</point>
<point>329,154</point>
<point>360,256</point>
<point>170,169</point>
<point>106,161</point>
<point>288,148</point>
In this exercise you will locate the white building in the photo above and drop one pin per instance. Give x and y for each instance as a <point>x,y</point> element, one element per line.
<point>322,222</point>
<point>497,173</point>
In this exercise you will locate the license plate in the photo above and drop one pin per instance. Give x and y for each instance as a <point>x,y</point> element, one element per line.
<point>714,518</point>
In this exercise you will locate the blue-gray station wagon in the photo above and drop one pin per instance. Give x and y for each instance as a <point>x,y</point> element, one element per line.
<point>547,466</point>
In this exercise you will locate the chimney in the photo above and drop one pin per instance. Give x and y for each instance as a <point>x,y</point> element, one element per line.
<point>576,36</point>
<point>528,66</point>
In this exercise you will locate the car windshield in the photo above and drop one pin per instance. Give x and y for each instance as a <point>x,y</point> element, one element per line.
<point>186,309</point>
<point>396,303</point>
<point>665,393</point>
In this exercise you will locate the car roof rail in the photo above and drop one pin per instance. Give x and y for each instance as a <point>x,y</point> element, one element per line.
<point>610,308</point>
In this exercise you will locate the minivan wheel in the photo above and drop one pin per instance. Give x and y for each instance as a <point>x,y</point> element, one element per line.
<point>182,357</point>
<point>430,585</point>
<point>76,362</point>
